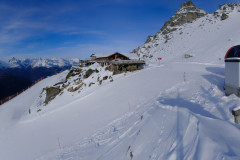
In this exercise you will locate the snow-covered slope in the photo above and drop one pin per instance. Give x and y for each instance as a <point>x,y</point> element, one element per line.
<point>37,62</point>
<point>206,38</point>
<point>161,112</point>
<point>173,110</point>
<point>182,119</point>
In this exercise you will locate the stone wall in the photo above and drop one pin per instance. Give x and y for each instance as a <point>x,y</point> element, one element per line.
<point>117,69</point>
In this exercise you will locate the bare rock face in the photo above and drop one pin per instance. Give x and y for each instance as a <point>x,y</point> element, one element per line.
<point>51,93</point>
<point>236,114</point>
<point>186,14</point>
<point>88,73</point>
<point>187,4</point>
<point>224,16</point>
<point>105,77</point>
<point>187,56</point>
<point>149,39</point>
<point>96,70</point>
<point>74,72</point>
<point>224,10</point>
<point>90,84</point>
<point>100,82</point>
<point>71,89</point>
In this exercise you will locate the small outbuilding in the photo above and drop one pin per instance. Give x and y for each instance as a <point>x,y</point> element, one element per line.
<point>232,71</point>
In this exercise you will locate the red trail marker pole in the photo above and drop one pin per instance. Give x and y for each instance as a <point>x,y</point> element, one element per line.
<point>159,59</point>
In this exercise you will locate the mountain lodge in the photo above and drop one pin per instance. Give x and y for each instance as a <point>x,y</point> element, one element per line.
<point>116,62</point>
<point>109,57</point>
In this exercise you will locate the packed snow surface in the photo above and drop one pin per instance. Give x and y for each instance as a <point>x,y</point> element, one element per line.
<point>162,112</point>
<point>173,109</point>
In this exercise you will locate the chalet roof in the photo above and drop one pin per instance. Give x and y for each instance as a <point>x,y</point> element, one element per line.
<point>129,55</point>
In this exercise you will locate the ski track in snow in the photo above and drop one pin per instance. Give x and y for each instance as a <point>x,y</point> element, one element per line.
<point>172,126</point>
<point>176,120</point>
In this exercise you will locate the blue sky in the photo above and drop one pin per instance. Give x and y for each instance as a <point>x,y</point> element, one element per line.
<point>77,28</point>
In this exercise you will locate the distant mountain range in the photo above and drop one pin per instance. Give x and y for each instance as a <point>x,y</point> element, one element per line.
<point>17,74</point>
<point>37,62</point>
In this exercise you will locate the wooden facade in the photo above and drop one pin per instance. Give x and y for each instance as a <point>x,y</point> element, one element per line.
<point>114,56</point>
<point>115,59</point>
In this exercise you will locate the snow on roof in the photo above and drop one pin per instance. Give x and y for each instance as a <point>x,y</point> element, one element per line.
<point>132,55</point>
<point>101,55</point>
<point>129,55</point>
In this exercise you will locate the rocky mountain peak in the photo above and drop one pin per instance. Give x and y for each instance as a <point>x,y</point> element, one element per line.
<point>13,60</point>
<point>224,10</point>
<point>187,4</point>
<point>186,14</point>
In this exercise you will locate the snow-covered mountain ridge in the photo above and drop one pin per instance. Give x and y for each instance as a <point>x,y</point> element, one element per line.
<point>192,30</point>
<point>37,62</point>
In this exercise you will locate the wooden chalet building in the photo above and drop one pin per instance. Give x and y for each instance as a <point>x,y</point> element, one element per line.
<point>109,57</point>
<point>116,62</point>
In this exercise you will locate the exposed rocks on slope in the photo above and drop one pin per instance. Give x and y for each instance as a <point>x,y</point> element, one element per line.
<point>187,56</point>
<point>74,71</point>
<point>105,77</point>
<point>236,114</point>
<point>71,89</point>
<point>51,93</point>
<point>88,73</point>
<point>224,10</point>
<point>81,78</point>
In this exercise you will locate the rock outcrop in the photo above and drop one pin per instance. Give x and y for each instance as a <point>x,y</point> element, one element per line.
<point>236,114</point>
<point>88,73</point>
<point>79,78</point>
<point>73,72</point>
<point>71,89</point>
<point>224,10</point>
<point>51,93</point>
